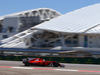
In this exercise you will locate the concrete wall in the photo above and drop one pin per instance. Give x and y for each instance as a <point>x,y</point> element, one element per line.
<point>93,40</point>
<point>3,34</point>
<point>10,22</point>
<point>81,40</point>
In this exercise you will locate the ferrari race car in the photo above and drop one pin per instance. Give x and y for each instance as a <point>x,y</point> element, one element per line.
<point>41,62</point>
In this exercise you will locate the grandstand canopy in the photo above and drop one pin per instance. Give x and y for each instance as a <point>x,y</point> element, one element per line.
<point>84,20</point>
<point>34,12</point>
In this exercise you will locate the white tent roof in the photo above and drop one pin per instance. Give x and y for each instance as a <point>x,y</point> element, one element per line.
<point>84,20</point>
<point>28,11</point>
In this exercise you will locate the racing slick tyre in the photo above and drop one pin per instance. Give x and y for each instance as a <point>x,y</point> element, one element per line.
<point>51,65</point>
<point>56,64</point>
<point>27,64</point>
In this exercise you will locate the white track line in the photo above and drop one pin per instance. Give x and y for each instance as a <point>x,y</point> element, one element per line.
<point>65,70</point>
<point>37,68</point>
<point>44,69</point>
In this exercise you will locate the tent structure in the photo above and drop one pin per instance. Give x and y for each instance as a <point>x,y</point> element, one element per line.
<point>84,20</point>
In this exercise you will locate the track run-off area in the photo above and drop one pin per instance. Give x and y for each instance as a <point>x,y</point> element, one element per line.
<point>18,68</point>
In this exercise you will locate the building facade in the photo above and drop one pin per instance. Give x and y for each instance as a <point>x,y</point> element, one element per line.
<point>79,29</point>
<point>14,23</point>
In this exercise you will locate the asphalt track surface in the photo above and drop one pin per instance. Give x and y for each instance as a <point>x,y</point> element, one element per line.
<point>17,68</point>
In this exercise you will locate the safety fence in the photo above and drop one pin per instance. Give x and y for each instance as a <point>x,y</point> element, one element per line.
<point>59,59</point>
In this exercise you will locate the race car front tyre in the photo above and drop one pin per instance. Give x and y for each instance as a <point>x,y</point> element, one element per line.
<point>56,64</point>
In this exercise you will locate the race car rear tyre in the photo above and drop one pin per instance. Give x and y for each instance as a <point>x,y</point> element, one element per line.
<point>51,65</point>
<point>27,64</point>
<point>56,64</point>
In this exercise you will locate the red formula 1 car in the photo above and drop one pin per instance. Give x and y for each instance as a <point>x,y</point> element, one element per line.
<point>41,62</point>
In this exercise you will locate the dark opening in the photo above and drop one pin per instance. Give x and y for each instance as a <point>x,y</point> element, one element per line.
<point>10,29</point>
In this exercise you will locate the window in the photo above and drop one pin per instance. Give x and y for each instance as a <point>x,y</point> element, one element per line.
<point>5,36</point>
<point>68,41</point>
<point>14,30</point>
<point>4,30</point>
<point>10,29</point>
<point>75,42</point>
<point>90,36</point>
<point>75,37</point>
<point>90,42</point>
